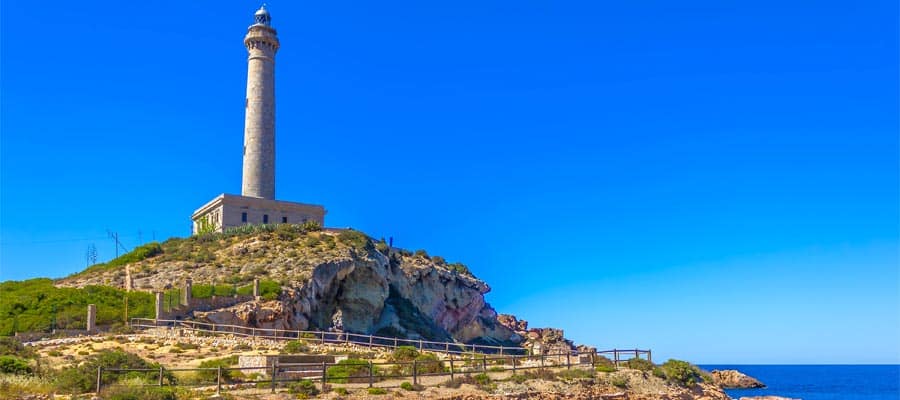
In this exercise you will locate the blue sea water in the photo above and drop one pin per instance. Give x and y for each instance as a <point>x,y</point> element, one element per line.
<point>821,382</point>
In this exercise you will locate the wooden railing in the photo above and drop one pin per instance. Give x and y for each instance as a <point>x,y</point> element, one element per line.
<point>323,337</point>
<point>384,374</point>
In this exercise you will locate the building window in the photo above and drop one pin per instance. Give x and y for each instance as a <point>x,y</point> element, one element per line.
<point>265,218</point>
<point>283,220</point>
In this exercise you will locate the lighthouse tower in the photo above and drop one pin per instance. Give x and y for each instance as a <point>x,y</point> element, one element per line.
<point>259,122</point>
<point>257,203</point>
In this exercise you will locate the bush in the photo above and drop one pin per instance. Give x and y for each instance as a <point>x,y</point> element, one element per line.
<point>575,374</point>
<point>311,226</point>
<point>354,239</point>
<point>639,364</point>
<point>210,376</point>
<point>13,347</point>
<point>341,391</point>
<point>296,346</point>
<point>377,391</point>
<point>438,260</point>
<point>14,365</point>
<point>422,253</point>
<point>459,268</point>
<point>304,387</point>
<point>482,379</point>
<point>139,393</point>
<point>618,381</point>
<point>404,353</point>
<point>681,372</point>
<point>34,305</point>
<point>406,386</point>
<point>83,377</point>
<point>351,370</point>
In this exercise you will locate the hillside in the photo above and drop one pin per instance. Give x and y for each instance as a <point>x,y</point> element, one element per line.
<point>326,279</point>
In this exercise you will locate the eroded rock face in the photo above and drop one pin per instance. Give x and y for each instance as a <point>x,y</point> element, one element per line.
<point>733,379</point>
<point>372,293</point>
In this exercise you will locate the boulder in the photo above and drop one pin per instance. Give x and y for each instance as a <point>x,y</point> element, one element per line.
<point>733,379</point>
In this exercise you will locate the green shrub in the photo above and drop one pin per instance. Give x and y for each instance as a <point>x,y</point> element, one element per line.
<point>211,375</point>
<point>139,393</point>
<point>304,387</point>
<point>575,374</point>
<point>351,370</point>
<point>482,379</point>
<point>382,247</point>
<point>639,364</point>
<point>438,260</point>
<point>404,353</point>
<point>36,305</point>
<point>13,347</point>
<point>354,239</point>
<point>428,363</point>
<point>406,386</point>
<point>296,346</point>
<point>14,365</point>
<point>459,268</point>
<point>618,381</point>
<point>82,378</point>
<point>605,368</point>
<point>375,391</point>
<point>311,226</point>
<point>658,372</point>
<point>681,372</point>
<point>341,391</point>
<point>519,378</point>
<point>422,253</point>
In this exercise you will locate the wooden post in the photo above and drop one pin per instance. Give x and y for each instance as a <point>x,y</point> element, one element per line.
<point>542,360</point>
<point>218,379</point>
<point>446,347</point>
<point>513,358</point>
<point>160,375</point>
<point>593,359</point>
<point>99,378</point>
<point>636,355</point>
<point>274,371</point>
<point>484,363</point>
<point>395,343</point>
<point>371,373</point>
<point>415,372</point>
<point>568,360</point>
<point>420,344</point>
<point>323,340</point>
<point>649,356</point>
<point>324,375</point>
<point>501,350</point>
<point>451,368</point>
<point>616,358</point>
<point>370,341</point>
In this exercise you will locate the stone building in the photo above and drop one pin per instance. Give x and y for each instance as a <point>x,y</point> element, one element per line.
<point>257,204</point>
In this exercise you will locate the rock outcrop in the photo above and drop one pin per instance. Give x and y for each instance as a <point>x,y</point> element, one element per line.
<point>733,379</point>
<point>538,340</point>
<point>330,280</point>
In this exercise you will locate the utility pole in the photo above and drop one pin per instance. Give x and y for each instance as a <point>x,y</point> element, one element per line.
<point>91,255</point>
<point>115,237</point>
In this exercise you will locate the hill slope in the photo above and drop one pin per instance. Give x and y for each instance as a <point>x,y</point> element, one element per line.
<point>329,280</point>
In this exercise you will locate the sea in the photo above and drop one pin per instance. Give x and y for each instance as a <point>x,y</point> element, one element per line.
<point>821,382</point>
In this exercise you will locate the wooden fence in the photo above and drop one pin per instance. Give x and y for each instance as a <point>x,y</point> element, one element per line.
<point>378,374</point>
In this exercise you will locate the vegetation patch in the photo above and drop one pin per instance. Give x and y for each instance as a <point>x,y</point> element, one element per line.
<point>35,305</point>
<point>681,373</point>
<point>351,370</point>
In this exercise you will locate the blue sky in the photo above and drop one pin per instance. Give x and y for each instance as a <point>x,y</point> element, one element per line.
<point>716,181</point>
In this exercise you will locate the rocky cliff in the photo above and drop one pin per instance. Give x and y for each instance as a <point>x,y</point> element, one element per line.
<point>330,280</point>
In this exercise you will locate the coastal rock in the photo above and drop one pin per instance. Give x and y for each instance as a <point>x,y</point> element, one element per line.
<point>733,379</point>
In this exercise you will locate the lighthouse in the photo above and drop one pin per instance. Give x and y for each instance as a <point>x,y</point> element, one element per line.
<point>256,204</point>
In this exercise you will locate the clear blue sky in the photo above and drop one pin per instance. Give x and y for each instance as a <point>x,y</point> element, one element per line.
<point>714,180</point>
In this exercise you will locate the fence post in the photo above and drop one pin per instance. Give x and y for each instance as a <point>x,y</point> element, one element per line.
<point>446,347</point>
<point>616,358</point>
<point>513,358</point>
<point>370,341</point>
<point>219,379</point>
<point>371,373</point>
<point>568,360</point>
<point>324,376</point>
<point>593,359</point>
<point>160,375</point>
<point>636,354</point>
<point>395,343</point>
<point>484,363</point>
<point>420,344</point>
<point>451,368</point>
<point>323,340</point>
<point>99,377</point>
<point>649,356</point>
<point>274,372</point>
<point>415,372</point>
<point>501,350</point>
<point>542,360</point>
